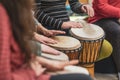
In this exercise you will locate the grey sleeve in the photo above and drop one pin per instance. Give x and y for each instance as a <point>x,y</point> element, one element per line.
<point>36,21</point>
<point>75,6</point>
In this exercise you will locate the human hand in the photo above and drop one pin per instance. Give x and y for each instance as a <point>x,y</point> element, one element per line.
<point>47,32</point>
<point>49,50</point>
<point>88,9</point>
<point>59,65</point>
<point>44,39</point>
<point>51,33</point>
<point>37,67</point>
<point>53,65</point>
<point>71,24</point>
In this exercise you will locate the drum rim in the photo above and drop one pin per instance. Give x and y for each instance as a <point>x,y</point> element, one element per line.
<point>85,38</point>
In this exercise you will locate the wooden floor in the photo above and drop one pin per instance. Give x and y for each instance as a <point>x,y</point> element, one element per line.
<point>99,76</point>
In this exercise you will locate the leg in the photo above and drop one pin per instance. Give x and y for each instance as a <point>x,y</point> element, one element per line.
<point>112,30</point>
<point>71,77</point>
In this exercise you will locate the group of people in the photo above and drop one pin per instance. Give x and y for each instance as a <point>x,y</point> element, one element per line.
<point>21,32</point>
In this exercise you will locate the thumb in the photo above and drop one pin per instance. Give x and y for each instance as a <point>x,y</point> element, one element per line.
<point>84,8</point>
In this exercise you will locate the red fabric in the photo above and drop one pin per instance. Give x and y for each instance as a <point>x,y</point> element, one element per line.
<point>105,9</point>
<point>11,58</point>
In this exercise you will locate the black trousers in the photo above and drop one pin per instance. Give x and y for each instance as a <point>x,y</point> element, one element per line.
<point>111,26</point>
<point>71,77</point>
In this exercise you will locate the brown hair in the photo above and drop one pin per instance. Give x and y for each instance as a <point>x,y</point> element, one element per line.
<point>20,15</point>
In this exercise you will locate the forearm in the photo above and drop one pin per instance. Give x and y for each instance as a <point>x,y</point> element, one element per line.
<point>41,28</point>
<point>75,6</point>
<point>43,61</point>
<point>47,20</point>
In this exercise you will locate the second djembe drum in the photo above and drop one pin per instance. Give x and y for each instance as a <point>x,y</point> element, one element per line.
<point>91,37</point>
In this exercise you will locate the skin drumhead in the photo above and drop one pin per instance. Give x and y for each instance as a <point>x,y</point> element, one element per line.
<point>66,43</point>
<point>60,57</point>
<point>90,32</point>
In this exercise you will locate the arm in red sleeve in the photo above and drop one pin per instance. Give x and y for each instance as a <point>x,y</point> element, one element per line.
<point>103,8</point>
<point>5,52</point>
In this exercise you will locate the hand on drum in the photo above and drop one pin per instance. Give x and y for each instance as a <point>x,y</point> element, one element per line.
<point>71,24</point>
<point>44,39</point>
<point>37,67</point>
<point>51,33</point>
<point>88,9</point>
<point>52,65</point>
<point>49,50</point>
<point>47,32</point>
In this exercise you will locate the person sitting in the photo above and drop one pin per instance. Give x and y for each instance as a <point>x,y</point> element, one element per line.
<point>107,13</point>
<point>17,62</point>
<point>53,14</point>
<point>43,35</point>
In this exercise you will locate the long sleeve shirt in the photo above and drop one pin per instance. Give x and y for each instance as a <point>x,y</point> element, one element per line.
<point>105,9</point>
<point>11,58</point>
<point>52,13</point>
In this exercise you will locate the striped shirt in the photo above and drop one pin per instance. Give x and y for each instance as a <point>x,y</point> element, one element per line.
<point>52,13</point>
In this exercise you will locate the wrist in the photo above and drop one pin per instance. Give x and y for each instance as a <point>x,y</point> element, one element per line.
<point>43,61</point>
<point>63,25</point>
<point>82,8</point>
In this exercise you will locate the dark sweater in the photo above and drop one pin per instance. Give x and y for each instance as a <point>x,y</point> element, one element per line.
<point>52,13</point>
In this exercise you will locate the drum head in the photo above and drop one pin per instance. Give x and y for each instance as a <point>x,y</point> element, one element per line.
<point>61,57</point>
<point>90,32</point>
<point>66,43</point>
<point>76,69</point>
<point>71,69</point>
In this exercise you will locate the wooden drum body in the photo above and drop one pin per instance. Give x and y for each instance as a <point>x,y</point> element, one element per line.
<point>68,45</point>
<point>91,38</point>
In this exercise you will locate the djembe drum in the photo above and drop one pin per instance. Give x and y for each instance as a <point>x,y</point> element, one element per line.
<point>91,37</point>
<point>67,69</point>
<point>68,45</point>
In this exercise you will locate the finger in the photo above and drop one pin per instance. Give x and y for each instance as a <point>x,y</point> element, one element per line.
<point>46,40</point>
<point>77,25</point>
<point>53,51</point>
<point>84,8</point>
<point>37,67</point>
<point>53,41</point>
<point>72,62</point>
<point>43,42</point>
<point>55,32</point>
<point>87,10</point>
<point>92,12</point>
<point>49,50</point>
<point>50,33</point>
<point>50,41</point>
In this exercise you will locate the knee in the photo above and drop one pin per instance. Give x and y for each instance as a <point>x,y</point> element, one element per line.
<point>106,50</point>
<point>115,32</point>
